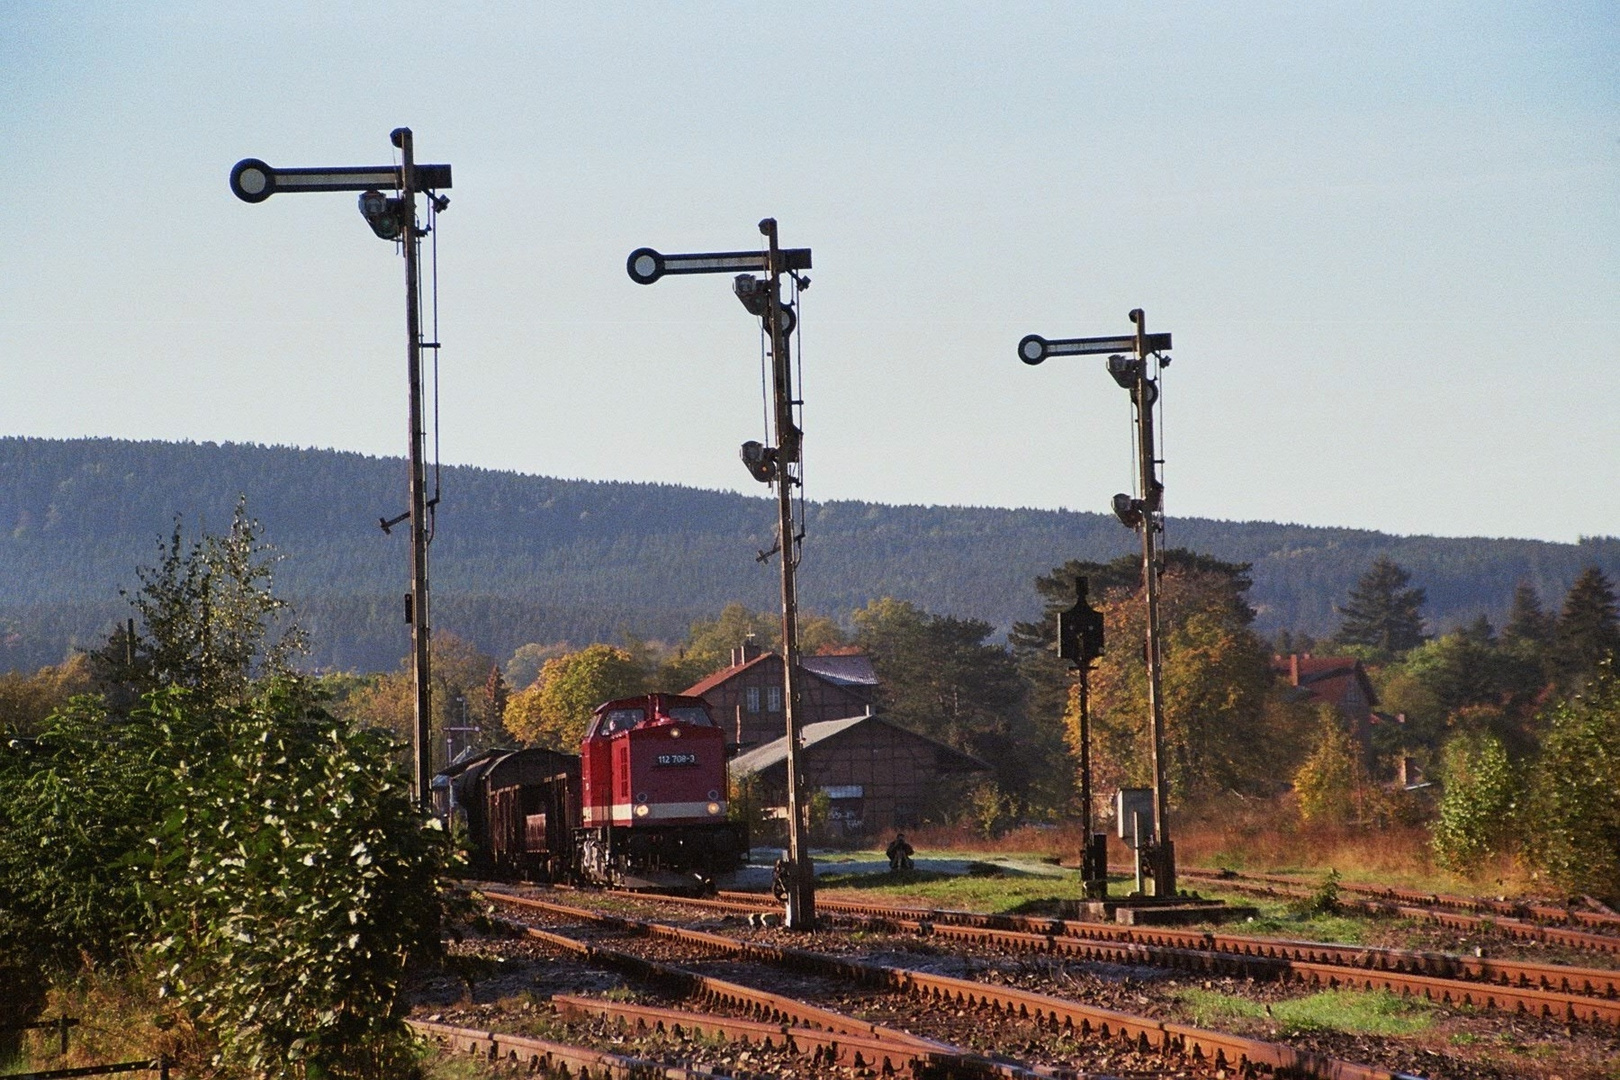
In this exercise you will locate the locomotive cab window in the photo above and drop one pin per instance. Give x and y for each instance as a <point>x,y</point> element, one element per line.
<point>691,714</point>
<point>617,720</point>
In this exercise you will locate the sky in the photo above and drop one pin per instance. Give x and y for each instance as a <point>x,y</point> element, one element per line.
<point>1385,238</point>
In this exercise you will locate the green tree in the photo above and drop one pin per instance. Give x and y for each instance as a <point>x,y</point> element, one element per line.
<point>940,676</point>
<point>459,696</point>
<point>266,854</point>
<point>1574,832</point>
<point>1383,614</point>
<point>555,710</point>
<point>1588,629</point>
<point>1479,807</point>
<point>1528,623</point>
<point>292,883</point>
<point>207,617</point>
<point>1057,589</point>
<point>709,643</point>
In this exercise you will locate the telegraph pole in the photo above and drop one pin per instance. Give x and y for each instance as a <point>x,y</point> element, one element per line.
<point>391,218</point>
<point>1146,515</point>
<point>780,465</point>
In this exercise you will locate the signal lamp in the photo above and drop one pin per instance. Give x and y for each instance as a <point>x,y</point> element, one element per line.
<point>756,297</point>
<point>1125,370</point>
<point>1128,510</point>
<point>714,808</point>
<point>384,215</point>
<point>760,460</point>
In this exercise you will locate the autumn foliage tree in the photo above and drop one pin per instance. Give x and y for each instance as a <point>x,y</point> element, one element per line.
<point>554,710</point>
<point>1216,683</point>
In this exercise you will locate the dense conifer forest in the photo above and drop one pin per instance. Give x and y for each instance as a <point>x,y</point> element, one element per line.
<point>527,558</point>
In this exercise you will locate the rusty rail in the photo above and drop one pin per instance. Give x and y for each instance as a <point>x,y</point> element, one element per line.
<point>1217,1049</point>
<point>537,1054</point>
<point>1602,984</point>
<point>820,1046</point>
<point>1545,990</point>
<point>1516,928</point>
<point>1484,905</point>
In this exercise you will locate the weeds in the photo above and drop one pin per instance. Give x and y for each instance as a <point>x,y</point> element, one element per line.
<point>1354,1012</point>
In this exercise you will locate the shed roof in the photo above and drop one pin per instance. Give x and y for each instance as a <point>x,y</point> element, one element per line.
<point>774,753</point>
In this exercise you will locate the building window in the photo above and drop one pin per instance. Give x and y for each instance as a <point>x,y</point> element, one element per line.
<point>752,697</point>
<point>773,699</point>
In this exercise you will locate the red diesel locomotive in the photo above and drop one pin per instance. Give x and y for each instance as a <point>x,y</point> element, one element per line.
<point>653,793</point>
<point>643,806</point>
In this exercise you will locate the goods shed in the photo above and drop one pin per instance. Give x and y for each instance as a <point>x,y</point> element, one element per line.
<point>876,774</point>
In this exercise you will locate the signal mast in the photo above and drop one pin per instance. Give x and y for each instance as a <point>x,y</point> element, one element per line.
<point>782,466</point>
<point>1134,362</point>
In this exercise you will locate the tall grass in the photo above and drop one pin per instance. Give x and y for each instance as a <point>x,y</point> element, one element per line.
<point>1258,836</point>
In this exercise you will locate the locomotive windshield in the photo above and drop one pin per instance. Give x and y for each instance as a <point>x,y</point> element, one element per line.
<point>615,720</point>
<point>691,714</point>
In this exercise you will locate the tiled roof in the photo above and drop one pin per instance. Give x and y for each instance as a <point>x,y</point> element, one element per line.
<point>698,689</point>
<point>1326,678</point>
<point>852,670</point>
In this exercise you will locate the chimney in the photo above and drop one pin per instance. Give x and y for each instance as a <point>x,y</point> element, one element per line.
<point>1293,668</point>
<point>748,650</point>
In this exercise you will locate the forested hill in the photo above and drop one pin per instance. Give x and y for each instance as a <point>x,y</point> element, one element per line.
<point>528,558</point>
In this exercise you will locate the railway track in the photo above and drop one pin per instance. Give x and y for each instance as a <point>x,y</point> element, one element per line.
<point>1456,913</point>
<point>553,1058</point>
<point>1549,991</point>
<point>1478,905</point>
<point>1181,1046</point>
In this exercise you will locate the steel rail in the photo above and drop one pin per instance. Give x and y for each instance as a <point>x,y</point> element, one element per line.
<point>1583,982</point>
<point>821,1046</point>
<point>1546,990</point>
<point>1218,1049</point>
<point>553,1057</point>
<point>1517,929</point>
<point>1577,982</point>
<point>1517,909</point>
<point>761,1003</point>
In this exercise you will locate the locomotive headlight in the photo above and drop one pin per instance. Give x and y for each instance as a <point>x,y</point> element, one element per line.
<point>674,732</point>
<point>641,810</point>
<point>714,808</point>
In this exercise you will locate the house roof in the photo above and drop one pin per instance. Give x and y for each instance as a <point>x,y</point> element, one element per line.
<point>1325,678</point>
<point>725,674</point>
<point>774,753</point>
<point>853,669</point>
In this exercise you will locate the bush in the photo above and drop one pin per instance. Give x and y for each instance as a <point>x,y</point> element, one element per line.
<point>1575,836</point>
<point>293,880</point>
<point>266,853</point>
<point>1329,780</point>
<point>1478,815</point>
